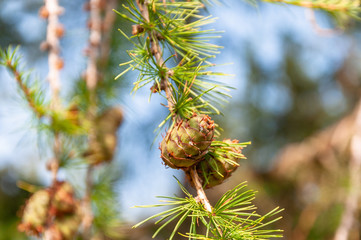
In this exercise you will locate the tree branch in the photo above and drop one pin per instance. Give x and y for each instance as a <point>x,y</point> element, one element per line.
<point>53,33</point>
<point>86,203</point>
<point>52,39</point>
<point>91,78</point>
<point>352,198</point>
<point>94,43</point>
<point>340,6</point>
<point>107,27</point>
<point>200,192</point>
<point>157,52</point>
<point>39,112</point>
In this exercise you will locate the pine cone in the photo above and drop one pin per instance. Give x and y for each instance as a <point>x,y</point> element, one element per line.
<point>63,200</point>
<point>187,141</point>
<point>218,167</point>
<point>35,213</point>
<point>103,142</point>
<point>66,226</point>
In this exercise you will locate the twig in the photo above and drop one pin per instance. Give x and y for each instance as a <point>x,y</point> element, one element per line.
<point>52,40</point>
<point>107,26</point>
<point>87,208</point>
<point>200,192</point>
<point>352,199</point>
<point>25,89</point>
<point>94,41</point>
<point>157,52</point>
<point>310,15</point>
<point>95,38</point>
<point>320,5</point>
<point>54,31</point>
<point>306,221</point>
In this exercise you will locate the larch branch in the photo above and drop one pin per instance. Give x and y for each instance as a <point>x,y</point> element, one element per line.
<point>340,6</point>
<point>52,40</point>
<point>53,33</point>
<point>157,52</point>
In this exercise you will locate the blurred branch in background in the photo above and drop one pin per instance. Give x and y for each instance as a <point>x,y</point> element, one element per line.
<point>348,220</point>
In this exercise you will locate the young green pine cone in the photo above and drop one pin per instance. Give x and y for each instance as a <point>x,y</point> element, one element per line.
<point>35,213</point>
<point>219,166</point>
<point>187,141</point>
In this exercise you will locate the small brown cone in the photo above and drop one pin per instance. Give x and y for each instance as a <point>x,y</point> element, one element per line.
<point>35,213</point>
<point>67,225</point>
<point>103,142</point>
<point>63,200</point>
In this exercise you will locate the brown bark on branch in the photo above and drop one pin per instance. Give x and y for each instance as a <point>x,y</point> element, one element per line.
<point>52,40</point>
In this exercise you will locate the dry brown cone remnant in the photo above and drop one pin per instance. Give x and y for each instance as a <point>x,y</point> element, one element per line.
<point>35,213</point>
<point>103,142</point>
<point>218,167</point>
<point>186,143</point>
<point>52,212</point>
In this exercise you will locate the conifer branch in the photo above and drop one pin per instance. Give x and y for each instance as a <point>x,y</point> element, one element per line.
<point>27,92</point>
<point>10,60</point>
<point>95,37</point>
<point>331,6</point>
<point>177,28</point>
<point>158,54</point>
<point>101,20</point>
<point>107,27</point>
<point>165,86</point>
<point>87,204</point>
<point>54,32</point>
<point>91,78</point>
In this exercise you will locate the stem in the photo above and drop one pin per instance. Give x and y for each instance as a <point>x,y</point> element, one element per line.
<point>25,89</point>
<point>54,164</point>
<point>87,208</point>
<point>52,39</point>
<point>55,64</point>
<point>200,192</point>
<point>323,6</point>
<point>157,52</point>
<point>95,38</point>
<point>94,41</point>
<point>108,23</point>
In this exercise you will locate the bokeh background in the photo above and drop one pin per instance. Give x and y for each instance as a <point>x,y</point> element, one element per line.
<point>297,80</point>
